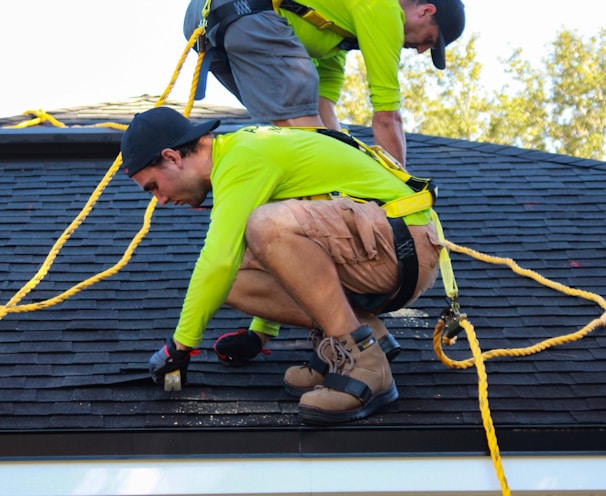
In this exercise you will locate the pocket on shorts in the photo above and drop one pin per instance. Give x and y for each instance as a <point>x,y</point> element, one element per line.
<point>354,238</point>
<point>336,237</point>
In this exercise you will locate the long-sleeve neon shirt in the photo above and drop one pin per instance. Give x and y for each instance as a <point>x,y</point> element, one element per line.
<point>379,28</point>
<point>257,165</point>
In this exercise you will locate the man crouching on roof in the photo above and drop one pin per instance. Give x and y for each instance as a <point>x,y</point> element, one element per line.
<point>328,265</point>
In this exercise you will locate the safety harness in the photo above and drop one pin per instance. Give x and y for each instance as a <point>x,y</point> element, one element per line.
<point>350,42</point>
<point>223,16</point>
<point>425,190</point>
<point>424,197</point>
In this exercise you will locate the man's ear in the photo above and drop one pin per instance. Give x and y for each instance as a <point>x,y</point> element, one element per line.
<point>429,9</point>
<point>171,156</point>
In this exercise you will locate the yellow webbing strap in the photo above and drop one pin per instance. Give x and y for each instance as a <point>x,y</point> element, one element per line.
<point>423,200</point>
<point>448,279</point>
<point>314,17</point>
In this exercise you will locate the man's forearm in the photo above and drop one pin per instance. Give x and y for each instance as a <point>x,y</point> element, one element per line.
<point>388,133</point>
<point>328,114</point>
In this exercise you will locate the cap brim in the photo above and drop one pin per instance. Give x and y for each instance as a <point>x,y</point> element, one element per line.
<point>197,131</point>
<point>438,54</point>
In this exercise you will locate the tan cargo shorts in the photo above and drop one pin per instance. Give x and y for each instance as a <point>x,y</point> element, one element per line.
<point>359,239</point>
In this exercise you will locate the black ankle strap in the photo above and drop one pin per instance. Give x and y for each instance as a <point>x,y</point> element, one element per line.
<point>361,333</point>
<point>348,385</point>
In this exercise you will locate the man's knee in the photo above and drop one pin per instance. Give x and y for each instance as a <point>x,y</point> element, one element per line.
<point>268,223</point>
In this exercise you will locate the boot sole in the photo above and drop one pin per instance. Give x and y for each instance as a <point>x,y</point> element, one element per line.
<point>317,416</point>
<point>296,392</point>
<point>389,345</point>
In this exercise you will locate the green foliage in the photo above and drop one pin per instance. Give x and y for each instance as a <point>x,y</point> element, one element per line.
<point>354,106</point>
<point>558,107</point>
<point>518,113</point>
<point>577,70</point>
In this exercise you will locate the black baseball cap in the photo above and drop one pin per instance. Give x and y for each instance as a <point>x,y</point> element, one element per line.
<point>450,15</point>
<point>152,131</point>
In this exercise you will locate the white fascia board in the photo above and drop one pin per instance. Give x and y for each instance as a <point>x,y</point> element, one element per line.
<point>303,476</point>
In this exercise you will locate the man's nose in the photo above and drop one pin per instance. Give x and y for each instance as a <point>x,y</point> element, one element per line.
<point>162,199</point>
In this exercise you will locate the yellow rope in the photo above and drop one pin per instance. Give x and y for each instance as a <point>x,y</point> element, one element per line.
<point>478,357</point>
<point>40,117</point>
<point>98,277</point>
<point>543,345</point>
<point>48,262</point>
<point>12,306</point>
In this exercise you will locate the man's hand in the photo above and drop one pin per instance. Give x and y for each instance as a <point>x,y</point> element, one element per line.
<point>389,133</point>
<point>167,359</point>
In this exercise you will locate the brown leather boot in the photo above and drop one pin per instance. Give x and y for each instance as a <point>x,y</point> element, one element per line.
<point>358,382</point>
<point>388,343</point>
<point>302,378</point>
<point>299,379</point>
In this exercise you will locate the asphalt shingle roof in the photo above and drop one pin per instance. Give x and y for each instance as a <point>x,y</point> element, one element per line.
<point>79,368</point>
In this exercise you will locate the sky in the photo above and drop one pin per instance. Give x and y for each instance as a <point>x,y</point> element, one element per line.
<point>66,53</point>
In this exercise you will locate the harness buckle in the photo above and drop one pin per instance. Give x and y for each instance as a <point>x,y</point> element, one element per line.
<point>201,40</point>
<point>451,316</point>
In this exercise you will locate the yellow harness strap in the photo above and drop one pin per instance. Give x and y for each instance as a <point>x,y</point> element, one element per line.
<point>423,200</point>
<point>448,278</point>
<point>416,202</point>
<point>401,207</point>
<point>312,16</point>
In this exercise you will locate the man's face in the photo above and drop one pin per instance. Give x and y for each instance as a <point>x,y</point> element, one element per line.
<point>421,30</point>
<point>173,181</point>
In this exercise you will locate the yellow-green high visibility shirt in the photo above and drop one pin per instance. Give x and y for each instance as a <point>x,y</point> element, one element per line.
<point>379,28</point>
<point>257,165</point>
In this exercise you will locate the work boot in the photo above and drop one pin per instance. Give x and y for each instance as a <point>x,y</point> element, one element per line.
<point>389,344</point>
<point>299,379</point>
<point>358,382</point>
<point>237,348</point>
<point>302,378</point>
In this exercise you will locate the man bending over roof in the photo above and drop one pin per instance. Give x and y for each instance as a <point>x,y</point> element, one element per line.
<point>286,70</point>
<point>269,251</point>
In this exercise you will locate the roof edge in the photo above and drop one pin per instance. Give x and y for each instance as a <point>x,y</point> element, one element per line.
<point>307,441</point>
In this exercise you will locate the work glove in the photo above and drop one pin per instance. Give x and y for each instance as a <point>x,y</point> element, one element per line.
<point>167,359</point>
<point>237,348</point>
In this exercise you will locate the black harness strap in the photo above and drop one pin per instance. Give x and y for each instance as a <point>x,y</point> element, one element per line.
<point>348,42</point>
<point>226,14</point>
<point>408,263</point>
<point>209,55</point>
<point>408,268</point>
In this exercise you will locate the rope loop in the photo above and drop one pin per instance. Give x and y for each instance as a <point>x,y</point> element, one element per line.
<point>478,357</point>
<point>40,116</point>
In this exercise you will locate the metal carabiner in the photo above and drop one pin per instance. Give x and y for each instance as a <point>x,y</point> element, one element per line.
<point>451,316</point>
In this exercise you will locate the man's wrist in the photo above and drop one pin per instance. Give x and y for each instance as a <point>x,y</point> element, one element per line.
<point>180,346</point>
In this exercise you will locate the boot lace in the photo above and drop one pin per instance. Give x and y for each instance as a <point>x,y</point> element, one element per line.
<point>333,352</point>
<point>315,336</point>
